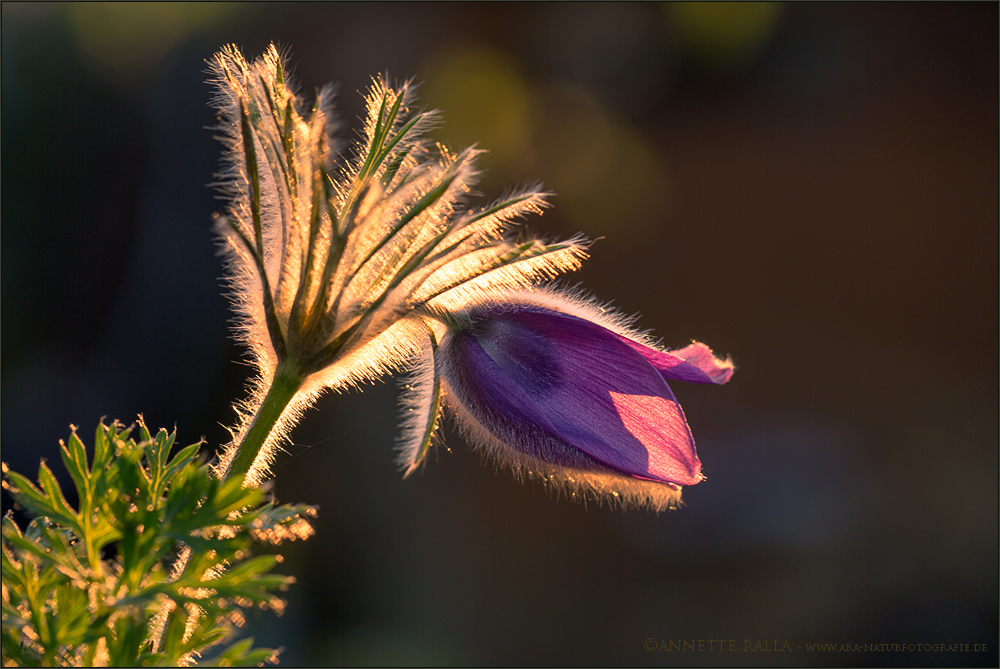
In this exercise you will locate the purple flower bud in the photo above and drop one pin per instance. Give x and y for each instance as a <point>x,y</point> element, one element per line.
<point>583,403</point>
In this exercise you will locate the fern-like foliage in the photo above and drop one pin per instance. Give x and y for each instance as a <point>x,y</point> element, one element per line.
<point>66,602</point>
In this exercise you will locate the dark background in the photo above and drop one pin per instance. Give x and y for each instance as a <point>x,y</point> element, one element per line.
<point>811,188</point>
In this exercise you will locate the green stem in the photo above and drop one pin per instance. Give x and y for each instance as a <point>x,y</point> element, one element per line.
<point>286,382</point>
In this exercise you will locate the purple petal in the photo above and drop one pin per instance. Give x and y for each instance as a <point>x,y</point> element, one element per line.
<point>569,392</point>
<point>695,363</point>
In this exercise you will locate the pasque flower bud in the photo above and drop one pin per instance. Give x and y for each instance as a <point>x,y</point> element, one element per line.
<point>556,387</point>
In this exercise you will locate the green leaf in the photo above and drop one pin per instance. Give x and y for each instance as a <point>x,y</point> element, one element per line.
<point>58,587</point>
<point>102,447</point>
<point>12,534</point>
<point>54,491</point>
<point>74,457</point>
<point>37,502</point>
<point>242,654</point>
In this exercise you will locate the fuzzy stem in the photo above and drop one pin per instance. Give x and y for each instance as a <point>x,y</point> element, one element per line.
<point>286,382</point>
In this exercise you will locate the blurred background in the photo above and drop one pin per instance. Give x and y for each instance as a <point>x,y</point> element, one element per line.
<point>811,188</point>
